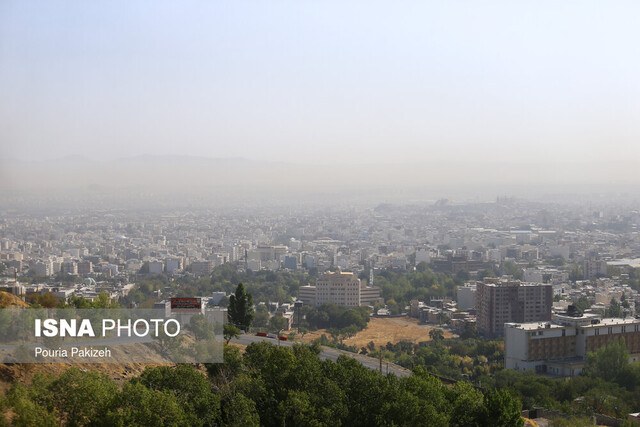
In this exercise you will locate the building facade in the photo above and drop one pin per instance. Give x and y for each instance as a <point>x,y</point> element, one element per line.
<point>200,268</point>
<point>500,301</point>
<point>340,288</point>
<point>594,268</point>
<point>466,296</point>
<point>559,347</point>
<point>307,294</point>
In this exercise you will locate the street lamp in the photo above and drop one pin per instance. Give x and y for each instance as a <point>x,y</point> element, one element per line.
<point>279,332</point>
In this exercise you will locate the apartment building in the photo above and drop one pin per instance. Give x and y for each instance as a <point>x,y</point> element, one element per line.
<point>85,267</point>
<point>200,268</point>
<point>504,300</point>
<point>594,268</point>
<point>340,288</point>
<point>70,267</point>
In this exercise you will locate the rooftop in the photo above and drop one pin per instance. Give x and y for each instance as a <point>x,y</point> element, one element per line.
<point>534,326</point>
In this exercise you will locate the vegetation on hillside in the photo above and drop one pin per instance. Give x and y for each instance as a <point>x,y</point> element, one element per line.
<point>267,385</point>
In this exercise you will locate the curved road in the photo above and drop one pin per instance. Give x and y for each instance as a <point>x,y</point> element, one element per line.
<point>333,354</point>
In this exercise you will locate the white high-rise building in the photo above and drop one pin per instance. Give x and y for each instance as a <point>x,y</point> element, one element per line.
<point>338,288</point>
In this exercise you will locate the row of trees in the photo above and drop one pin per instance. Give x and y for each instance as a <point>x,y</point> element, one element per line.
<point>332,316</point>
<point>452,358</point>
<point>267,385</point>
<point>400,287</point>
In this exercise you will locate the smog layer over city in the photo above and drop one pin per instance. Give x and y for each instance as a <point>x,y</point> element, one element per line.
<point>350,213</point>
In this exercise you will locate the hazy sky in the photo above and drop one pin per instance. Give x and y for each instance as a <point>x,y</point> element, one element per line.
<point>321,81</point>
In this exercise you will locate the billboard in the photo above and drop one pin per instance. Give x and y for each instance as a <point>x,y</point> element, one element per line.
<point>186,304</point>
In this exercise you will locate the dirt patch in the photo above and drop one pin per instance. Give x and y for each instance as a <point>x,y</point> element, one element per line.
<point>384,330</point>
<point>8,300</point>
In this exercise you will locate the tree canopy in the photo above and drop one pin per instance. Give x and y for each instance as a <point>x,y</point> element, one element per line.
<point>267,385</point>
<point>240,309</point>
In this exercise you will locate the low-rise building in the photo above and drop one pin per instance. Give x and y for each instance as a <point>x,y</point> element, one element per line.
<point>559,347</point>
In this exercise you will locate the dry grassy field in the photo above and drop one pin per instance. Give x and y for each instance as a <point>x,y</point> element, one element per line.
<point>384,330</point>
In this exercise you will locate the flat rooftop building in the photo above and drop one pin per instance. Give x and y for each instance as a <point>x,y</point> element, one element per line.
<point>559,347</point>
<point>340,288</point>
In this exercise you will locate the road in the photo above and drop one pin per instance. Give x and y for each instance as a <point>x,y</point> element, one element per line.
<point>329,353</point>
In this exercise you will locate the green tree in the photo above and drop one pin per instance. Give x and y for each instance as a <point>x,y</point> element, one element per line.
<point>230,332</point>
<point>501,409</point>
<point>170,347</point>
<point>582,303</point>
<point>466,406</point>
<point>609,363</point>
<point>436,334</point>
<point>240,308</point>
<point>277,323</point>
<point>261,319</point>
<point>512,269</point>
<point>104,301</point>
<point>138,405</point>
<point>231,366</point>
<point>614,310</point>
<point>27,411</point>
<point>80,397</point>
<point>202,329</point>
<point>46,300</point>
<point>241,411</point>
<point>191,389</point>
<point>470,331</point>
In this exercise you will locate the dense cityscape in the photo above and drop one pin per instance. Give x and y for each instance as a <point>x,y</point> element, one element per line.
<point>552,283</point>
<point>336,213</point>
